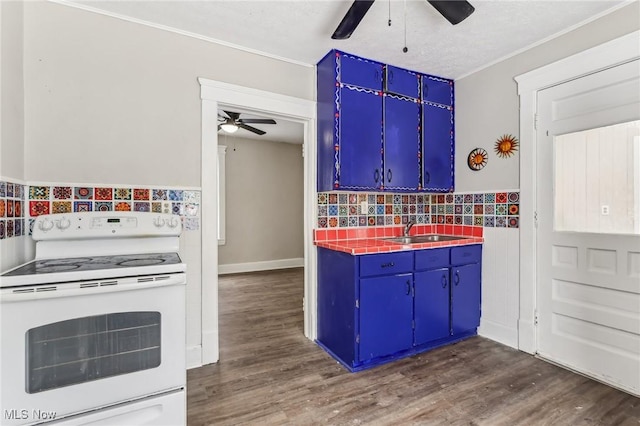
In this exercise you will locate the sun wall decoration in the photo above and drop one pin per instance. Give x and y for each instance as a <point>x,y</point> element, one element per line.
<point>506,145</point>
<point>477,159</point>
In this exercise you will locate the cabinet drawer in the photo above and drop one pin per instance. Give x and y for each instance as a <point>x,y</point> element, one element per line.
<point>360,72</point>
<point>402,82</point>
<point>466,254</point>
<point>432,258</point>
<point>386,264</point>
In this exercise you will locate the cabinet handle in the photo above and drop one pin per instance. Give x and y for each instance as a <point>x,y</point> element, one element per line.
<point>427,177</point>
<point>390,73</point>
<point>389,175</point>
<point>386,265</point>
<point>425,91</point>
<point>408,287</point>
<point>376,76</point>
<point>456,278</point>
<point>376,175</point>
<point>444,281</point>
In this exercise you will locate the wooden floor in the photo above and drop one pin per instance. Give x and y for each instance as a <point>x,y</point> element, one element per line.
<point>269,373</point>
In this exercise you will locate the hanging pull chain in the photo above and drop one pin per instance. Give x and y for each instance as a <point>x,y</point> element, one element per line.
<point>405,49</point>
<point>389,21</point>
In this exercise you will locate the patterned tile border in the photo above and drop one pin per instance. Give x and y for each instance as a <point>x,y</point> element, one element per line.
<point>345,210</point>
<point>20,203</point>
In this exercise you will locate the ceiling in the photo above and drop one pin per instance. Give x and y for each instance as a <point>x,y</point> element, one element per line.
<point>300,31</point>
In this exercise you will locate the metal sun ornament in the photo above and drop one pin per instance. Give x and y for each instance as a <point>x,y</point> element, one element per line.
<point>477,159</point>
<point>506,145</point>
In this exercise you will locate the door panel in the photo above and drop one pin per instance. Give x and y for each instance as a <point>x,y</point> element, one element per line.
<point>588,286</point>
<point>431,305</point>
<point>437,155</point>
<point>386,313</point>
<point>465,298</point>
<point>360,139</point>
<point>437,90</point>
<point>360,72</point>
<point>401,143</point>
<point>402,82</point>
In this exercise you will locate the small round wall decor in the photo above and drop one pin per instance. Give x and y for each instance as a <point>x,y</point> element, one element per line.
<point>506,145</point>
<point>477,159</point>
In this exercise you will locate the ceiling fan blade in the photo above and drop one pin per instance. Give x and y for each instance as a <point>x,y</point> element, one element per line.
<point>219,127</point>
<point>257,121</point>
<point>232,115</point>
<point>351,19</point>
<point>454,11</point>
<point>251,129</point>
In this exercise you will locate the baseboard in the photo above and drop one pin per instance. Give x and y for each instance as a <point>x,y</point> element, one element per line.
<point>236,268</point>
<point>499,333</point>
<point>527,336</point>
<point>194,356</point>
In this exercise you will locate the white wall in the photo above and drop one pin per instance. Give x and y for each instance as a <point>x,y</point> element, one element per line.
<point>107,97</point>
<point>113,102</point>
<point>487,106</point>
<point>264,203</point>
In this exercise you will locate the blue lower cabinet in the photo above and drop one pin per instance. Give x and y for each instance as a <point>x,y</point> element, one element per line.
<point>377,308</point>
<point>385,315</point>
<point>465,298</point>
<point>431,308</point>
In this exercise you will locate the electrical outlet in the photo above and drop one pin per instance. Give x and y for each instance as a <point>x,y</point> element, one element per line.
<point>604,210</point>
<point>166,207</point>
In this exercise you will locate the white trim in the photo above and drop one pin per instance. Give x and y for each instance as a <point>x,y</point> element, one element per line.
<point>499,333</point>
<point>267,265</point>
<point>606,55</point>
<point>213,94</point>
<point>194,356</point>
<point>179,31</point>
<point>222,195</point>
<point>547,39</point>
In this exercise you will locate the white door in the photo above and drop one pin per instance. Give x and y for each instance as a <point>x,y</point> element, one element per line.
<point>588,246</point>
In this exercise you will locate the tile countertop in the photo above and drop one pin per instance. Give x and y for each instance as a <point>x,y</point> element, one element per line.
<point>369,240</point>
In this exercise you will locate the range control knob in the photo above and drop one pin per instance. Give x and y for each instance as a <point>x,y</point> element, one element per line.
<point>159,222</point>
<point>46,225</point>
<point>173,222</point>
<point>63,223</point>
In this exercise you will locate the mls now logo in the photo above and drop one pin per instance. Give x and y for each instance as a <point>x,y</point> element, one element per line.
<point>23,414</point>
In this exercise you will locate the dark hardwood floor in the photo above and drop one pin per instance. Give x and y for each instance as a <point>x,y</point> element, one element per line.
<point>269,373</point>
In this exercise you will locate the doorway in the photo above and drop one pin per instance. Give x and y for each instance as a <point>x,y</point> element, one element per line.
<point>214,94</point>
<point>588,253</point>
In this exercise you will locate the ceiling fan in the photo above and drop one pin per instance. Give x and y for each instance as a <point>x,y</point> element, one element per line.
<point>454,11</point>
<point>230,122</point>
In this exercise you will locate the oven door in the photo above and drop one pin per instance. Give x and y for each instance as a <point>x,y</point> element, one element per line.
<point>80,347</point>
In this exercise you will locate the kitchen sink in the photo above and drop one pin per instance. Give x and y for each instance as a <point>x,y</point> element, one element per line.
<point>416,239</point>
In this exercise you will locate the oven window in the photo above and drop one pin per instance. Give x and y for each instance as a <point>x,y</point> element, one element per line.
<point>91,348</point>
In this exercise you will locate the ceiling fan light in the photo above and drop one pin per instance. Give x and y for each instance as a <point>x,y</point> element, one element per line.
<point>229,127</point>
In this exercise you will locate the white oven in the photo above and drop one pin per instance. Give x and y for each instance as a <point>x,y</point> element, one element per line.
<point>93,330</point>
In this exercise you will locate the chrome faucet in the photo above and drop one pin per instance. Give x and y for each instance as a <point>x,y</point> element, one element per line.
<point>408,227</point>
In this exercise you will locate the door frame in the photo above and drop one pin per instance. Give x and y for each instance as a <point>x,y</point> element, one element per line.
<point>215,93</point>
<point>598,58</point>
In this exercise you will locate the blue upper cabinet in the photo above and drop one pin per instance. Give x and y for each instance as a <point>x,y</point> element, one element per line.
<point>359,72</point>
<point>438,149</point>
<point>401,143</point>
<point>402,82</point>
<point>437,90</point>
<point>382,127</point>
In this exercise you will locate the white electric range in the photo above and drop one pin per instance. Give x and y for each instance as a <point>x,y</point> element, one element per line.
<point>93,329</point>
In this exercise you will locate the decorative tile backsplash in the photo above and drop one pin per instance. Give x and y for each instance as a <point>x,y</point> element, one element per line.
<point>19,204</point>
<point>13,213</point>
<point>348,209</point>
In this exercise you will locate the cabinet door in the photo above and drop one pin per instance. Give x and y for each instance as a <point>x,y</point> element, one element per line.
<point>360,139</point>
<point>465,298</point>
<point>386,312</point>
<point>437,90</point>
<point>360,72</point>
<point>402,82</point>
<point>437,156</point>
<point>431,305</point>
<point>401,143</point>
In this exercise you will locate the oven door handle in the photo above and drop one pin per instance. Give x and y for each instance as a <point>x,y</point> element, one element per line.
<point>88,288</point>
